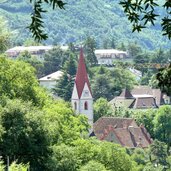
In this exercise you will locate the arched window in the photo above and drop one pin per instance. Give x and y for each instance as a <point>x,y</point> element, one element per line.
<point>75,105</point>
<point>85,106</point>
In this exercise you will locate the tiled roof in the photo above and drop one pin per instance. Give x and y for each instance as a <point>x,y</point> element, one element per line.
<point>127,133</point>
<point>146,90</point>
<point>101,124</point>
<point>126,94</point>
<point>139,98</point>
<point>81,76</point>
<point>144,102</point>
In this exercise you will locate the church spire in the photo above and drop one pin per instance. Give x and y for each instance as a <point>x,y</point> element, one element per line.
<point>82,100</point>
<point>81,76</point>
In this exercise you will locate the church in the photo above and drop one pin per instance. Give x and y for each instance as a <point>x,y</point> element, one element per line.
<point>123,131</point>
<point>82,99</point>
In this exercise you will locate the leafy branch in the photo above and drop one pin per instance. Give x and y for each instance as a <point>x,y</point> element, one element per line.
<point>36,26</point>
<point>140,12</point>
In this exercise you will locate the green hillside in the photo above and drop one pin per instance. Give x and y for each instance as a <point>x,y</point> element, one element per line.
<point>102,19</point>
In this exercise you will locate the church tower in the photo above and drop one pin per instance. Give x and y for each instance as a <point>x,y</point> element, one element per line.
<point>82,100</point>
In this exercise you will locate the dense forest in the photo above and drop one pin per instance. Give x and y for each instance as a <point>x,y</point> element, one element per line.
<point>101,19</point>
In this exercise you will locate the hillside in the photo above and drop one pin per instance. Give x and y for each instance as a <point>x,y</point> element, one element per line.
<point>102,19</point>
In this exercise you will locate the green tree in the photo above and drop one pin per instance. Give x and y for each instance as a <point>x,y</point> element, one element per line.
<point>134,49</point>
<point>54,60</point>
<point>89,48</point>
<point>2,167</point>
<point>159,57</point>
<point>61,124</point>
<point>85,153</point>
<point>101,108</point>
<point>5,34</point>
<point>146,118</point>
<point>64,158</point>
<point>158,153</point>
<point>18,167</point>
<point>113,43</point>
<point>93,165</point>
<point>64,86</point>
<point>162,125</point>
<point>18,80</point>
<point>33,61</point>
<point>101,87</point>
<point>121,78</point>
<point>151,167</point>
<point>122,47</point>
<point>70,66</point>
<point>164,78</point>
<point>24,137</point>
<point>142,14</point>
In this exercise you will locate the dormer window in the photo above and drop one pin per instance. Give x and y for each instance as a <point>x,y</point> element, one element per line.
<point>86,106</point>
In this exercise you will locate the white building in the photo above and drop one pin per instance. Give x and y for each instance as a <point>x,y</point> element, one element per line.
<point>49,81</point>
<point>82,100</point>
<point>33,50</point>
<point>108,56</point>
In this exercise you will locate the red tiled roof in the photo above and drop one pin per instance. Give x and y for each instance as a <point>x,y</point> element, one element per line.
<point>81,76</point>
<point>104,122</point>
<point>126,134</point>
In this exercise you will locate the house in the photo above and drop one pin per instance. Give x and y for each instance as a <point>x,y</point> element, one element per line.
<point>135,101</point>
<point>49,81</point>
<point>123,131</point>
<point>160,97</point>
<point>33,50</point>
<point>108,56</point>
<point>82,99</point>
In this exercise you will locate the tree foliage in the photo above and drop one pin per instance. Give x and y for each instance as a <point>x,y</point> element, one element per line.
<point>85,153</point>
<point>142,13</point>
<point>17,80</point>
<point>64,86</point>
<point>101,108</point>
<point>162,124</point>
<point>5,34</point>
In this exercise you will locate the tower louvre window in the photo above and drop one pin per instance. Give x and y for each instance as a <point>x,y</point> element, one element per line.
<point>86,106</point>
<point>75,105</point>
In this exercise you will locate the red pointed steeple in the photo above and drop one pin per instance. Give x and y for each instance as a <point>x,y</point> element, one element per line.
<point>81,76</point>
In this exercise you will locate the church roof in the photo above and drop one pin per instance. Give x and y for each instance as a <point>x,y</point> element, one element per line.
<point>81,76</point>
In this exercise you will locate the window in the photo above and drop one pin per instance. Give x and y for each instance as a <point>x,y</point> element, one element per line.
<point>85,106</point>
<point>75,105</point>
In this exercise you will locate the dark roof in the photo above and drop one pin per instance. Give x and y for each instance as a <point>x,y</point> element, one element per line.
<point>144,103</point>
<point>156,93</point>
<point>126,134</point>
<point>126,94</point>
<point>142,97</point>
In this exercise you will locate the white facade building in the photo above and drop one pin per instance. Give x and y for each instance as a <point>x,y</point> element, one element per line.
<point>82,100</point>
<point>49,81</point>
<point>108,56</point>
